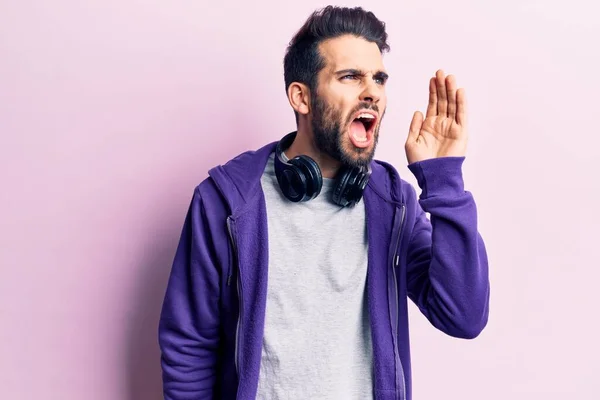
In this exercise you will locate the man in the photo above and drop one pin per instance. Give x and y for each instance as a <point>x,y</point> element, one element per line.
<point>296,260</point>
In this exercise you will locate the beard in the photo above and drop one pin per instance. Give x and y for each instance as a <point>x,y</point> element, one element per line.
<point>330,128</point>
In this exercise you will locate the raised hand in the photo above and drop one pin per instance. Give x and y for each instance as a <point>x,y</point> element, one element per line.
<point>443,133</point>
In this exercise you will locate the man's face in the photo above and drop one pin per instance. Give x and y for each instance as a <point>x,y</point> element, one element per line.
<point>350,101</point>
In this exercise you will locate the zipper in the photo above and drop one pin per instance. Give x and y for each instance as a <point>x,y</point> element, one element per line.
<point>395,263</point>
<point>230,229</point>
<point>233,251</point>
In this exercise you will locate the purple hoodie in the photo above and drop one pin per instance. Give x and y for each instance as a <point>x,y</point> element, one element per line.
<point>211,326</point>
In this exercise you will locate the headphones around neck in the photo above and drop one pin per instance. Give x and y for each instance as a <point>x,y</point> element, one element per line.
<point>300,178</point>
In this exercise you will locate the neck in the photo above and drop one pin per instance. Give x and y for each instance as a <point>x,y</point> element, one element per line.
<point>304,144</point>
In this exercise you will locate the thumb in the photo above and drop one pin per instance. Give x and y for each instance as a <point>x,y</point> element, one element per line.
<point>415,126</point>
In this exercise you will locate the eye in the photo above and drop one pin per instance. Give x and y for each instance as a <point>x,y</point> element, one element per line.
<point>380,81</point>
<point>348,77</point>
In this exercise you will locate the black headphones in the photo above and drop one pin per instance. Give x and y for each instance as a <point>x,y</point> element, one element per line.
<point>300,178</point>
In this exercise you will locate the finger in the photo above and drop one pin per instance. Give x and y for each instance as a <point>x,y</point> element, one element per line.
<point>442,105</point>
<point>461,107</point>
<point>415,126</point>
<point>451,91</point>
<point>432,106</point>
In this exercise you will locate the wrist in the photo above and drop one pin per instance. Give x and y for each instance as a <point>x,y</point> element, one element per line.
<point>439,176</point>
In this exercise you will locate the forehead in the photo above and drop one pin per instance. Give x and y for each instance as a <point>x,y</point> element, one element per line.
<point>351,52</point>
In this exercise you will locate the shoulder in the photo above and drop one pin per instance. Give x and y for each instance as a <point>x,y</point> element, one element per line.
<point>386,182</point>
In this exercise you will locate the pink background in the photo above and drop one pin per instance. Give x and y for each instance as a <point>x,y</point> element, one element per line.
<point>112,111</point>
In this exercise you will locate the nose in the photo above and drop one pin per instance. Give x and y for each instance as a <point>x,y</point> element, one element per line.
<point>371,92</point>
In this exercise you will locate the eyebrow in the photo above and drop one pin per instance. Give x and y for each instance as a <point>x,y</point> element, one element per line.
<point>352,71</point>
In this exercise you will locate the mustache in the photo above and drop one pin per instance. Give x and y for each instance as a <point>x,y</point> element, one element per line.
<point>365,105</point>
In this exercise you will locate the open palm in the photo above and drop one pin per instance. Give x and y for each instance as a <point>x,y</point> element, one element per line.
<point>443,132</point>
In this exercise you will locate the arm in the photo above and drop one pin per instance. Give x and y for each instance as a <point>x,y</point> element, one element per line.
<point>447,266</point>
<point>189,322</point>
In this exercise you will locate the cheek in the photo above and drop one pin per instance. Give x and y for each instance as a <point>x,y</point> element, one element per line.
<point>338,114</point>
<point>349,109</point>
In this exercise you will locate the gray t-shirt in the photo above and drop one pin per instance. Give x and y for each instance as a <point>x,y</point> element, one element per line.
<point>317,339</point>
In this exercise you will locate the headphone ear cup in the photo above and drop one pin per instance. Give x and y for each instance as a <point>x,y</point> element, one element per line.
<point>292,182</point>
<point>350,185</point>
<point>312,175</point>
<point>341,187</point>
<point>300,178</point>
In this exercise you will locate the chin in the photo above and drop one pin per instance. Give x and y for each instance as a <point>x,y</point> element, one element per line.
<point>357,157</point>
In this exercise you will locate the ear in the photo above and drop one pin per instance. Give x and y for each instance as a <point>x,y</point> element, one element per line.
<point>299,97</point>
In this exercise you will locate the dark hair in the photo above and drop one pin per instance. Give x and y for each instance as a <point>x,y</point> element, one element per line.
<point>302,61</point>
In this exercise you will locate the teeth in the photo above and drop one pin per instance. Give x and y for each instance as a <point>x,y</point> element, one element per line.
<point>366,115</point>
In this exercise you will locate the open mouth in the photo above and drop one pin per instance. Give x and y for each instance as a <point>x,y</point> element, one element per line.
<point>362,127</point>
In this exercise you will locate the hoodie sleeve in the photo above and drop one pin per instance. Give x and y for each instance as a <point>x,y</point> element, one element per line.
<point>189,322</point>
<point>447,266</point>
